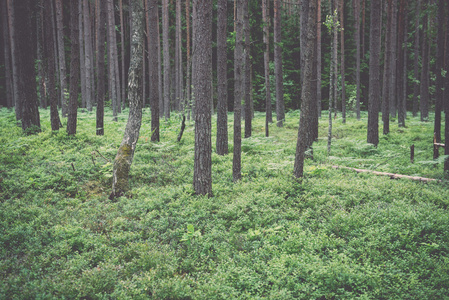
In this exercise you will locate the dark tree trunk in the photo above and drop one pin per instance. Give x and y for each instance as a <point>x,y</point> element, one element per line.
<point>416,84</point>
<point>401,49</point>
<point>318,59</point>
<point>7,53</point>
<point>41,77</point>
<point>153,50</point>
<point>88,52</point>
<point>189,65</point>
<point>125,155</point>
<point>165,41</point>
<point>101,91</point>
<point>357,54</point>
<point>123,53</point>
<point>305,124</point>
<point>424,88</point>
<point>74,69</point>
<point>202,177</point>
<point>25,60</point>
<point>247,32</point>
<point>14,60</point>
<point>280,107</point>
<point>222,80</point>
<point>61,57</point>
<point>266,59</point>
<point>386,95</point>
<point>342,61</point>
<point>374,62</point>
<point>82,55</point>
<point>111,66</point>
<point>50,65</point>
<point>178,59</point>
<point>446,96</point>
<point>238,92</point>
<point>394,59</point>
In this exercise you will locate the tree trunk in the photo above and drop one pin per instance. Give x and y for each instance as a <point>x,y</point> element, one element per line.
<point>88,55</point>
<point>446,97</point>
<point>266,59</point>
<point>7,53</point>
<point>74,69</point>
<point>178,58</point>
<point>101,92</point>
<point>280,107</point>
<point>125,155</point>
<point>424,88</point>
<point>82,55</point>
<point>123,53</point>
<point>357,54</point>
<point>318,58</point>
<point>332,75</point>
<point>188,64</point>
<point>307,90</point>
<point>61,57</point>
<point>393,59</point>
<point>202,176</point>
<point>166,53</point>
<point>247,63</point>
<point>153,66</point>
<point>41,77</point>
<point>387,76</point>
<point>14,60</point>
<point>50,65</point>
<point>374,66</point>
<point>25,60</point>
<point>111,38</point>
<point>222,79</point>
<point>416,83</point>
<point>342,61</point>
<point>402,39</point>
<point>238,92</point>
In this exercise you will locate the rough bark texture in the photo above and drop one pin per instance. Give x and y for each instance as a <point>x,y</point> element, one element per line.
<point>387,76</point>
<point>374,87</point>
<point>266,59</point>
<point>394,59</point>
<point>357,54</point>
<point>82,54</point>
<point>342,61</point>
<point>88,52</point>
<point>166,55</point>
<point>189,65</point>
<point>14,60</point>
<point>222,79</point>
<point>74,69</point>
<point>280,107</point>
<point>111,67</point>
<point>101,91</point>
<point>238,92</point>
<point>446,96</point>
<point>424,88</point>
<point>247,62</point>
<point>318,59</point>
<point>153,50</point>
<point>202,176</point>
<point>61,57</point>
<point>123,54</point>
<point>50,64</point>
<point>416,84</point>
<point>178,59</point>
<point>7,54</point>
<point>124,158</point>
<point>400,64</point>
<point>307,90</point>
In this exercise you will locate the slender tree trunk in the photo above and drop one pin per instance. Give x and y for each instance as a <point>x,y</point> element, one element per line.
<point>424,88</point>
<point>333,75</point>
<point>400,64</point>
<point>394,59</point>
<point>7,53</point>
<point>178,58</point>
<point>416,83</point>
<point>14,60</point>
<point>386,99</point>
<point>446,96</point>
<point>189,64</point>
<point>307,90</point>
<point>82,55</point>
<point>74,69</point>
<point>342,61</point>
<point>123,53</point>
<point>41,73</point>
<point>374,65</point>
<point>266,55</point>
<point>357,54</point>
<point>318,58</point>
<point>50,64</point>
<point>222,79</point>
<point>61,57</point>
<point>101,91</point>
<point>125,155</point>
<point>88,55</point>
<point>111,77</point>
<point>239,74</point>
<point>247,80</point>
<point>280,107</point>
<point>153,66</point>
<point>363,28</point>
<point>166,53</point>
<point>202,176</point>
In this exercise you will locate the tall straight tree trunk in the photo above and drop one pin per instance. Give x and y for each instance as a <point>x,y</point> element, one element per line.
<point>74,69</point>
<point>266,59</point>
<point>402,39</point>
<point>25,61</point>
<point>424,88</point>
<point>307,89</point>
<point>14,60</point>
<point>439,66</point>
<point>125,155</point>
<point>153,50</point>
<point>188,64</point>
<point>165,41</point>
<point>247,80</point>
<point>178,58</point>
<point>123,53</point>
<point>342,61</point>
<point>363,28</point>
<point>82,55</point>
<point>41,73</point>
<point>202,174</point>
<point>238,92</point>
<point>333,74</point>
<point>357,54</point>
<point>386,97</point>
<point>318,58</point>
<point>222,78</point>
<point>111,77</point>
<point>61,57</point>
<point>416,83</point>
<point>88,52</point>
<point>7,53</point>
<point>101,91</point>
<point>446,96</point>
<point>50,64</point>
<point>394,59</point>
<point>280,106</point>
<point>374,66</point>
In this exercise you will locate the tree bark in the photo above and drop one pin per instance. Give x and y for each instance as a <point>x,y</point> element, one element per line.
<point>342,61</point>
<point>424,88</point>
<point>374,62</point>
<point>111,38</point>
<point>307,98</point>
<point>387,76</point>
<point>14,60</point>
<point>123,53</point>
<point>318,59</point>
<point>332,75</point>
<point>222,79</point>
<point>393,59</point>
<point>266,55</point>
<point>88,52</point>
<point>416,83</point>
<point>178,58</point>
<point>101,91</point>
<point>82,55</point>
<point>125,155</point>
<point>61,56</point>
<point>41,76</point>
<point>166,55</point>
<point>247,63</point>
<point>189,64</point>
<point>357,54</point>
<point>202,176</point>
<point>74,69</point>
<point>7,53</point>
<point>153,66</point>
<point>280,107</point>
<point>402,39</point>
<point>446,97</point>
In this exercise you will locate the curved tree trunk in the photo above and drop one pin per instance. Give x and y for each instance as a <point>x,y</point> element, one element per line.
<point>125,155</point>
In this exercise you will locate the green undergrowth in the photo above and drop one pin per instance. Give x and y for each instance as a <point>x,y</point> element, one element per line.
<point>334,234</point>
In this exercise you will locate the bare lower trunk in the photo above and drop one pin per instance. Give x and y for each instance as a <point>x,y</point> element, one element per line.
<point>61,56</point>
<point>247,79</point>
<point>74,69</point>
<point>280,109</point>
<point>222,80</point>
<point>153,50</point>
<point>166,54</point>
<point>7,53</point>
<point>88,55</point>
<point>101,91</point>
<point>266,55</point>
<point>416,61</point>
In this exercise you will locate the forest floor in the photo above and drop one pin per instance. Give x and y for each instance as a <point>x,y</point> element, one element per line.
<point>335,234</point>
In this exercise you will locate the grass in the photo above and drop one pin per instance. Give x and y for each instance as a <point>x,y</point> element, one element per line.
<point>334,234</point>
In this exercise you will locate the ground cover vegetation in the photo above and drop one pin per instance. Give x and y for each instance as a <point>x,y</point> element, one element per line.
<point>333,234</point>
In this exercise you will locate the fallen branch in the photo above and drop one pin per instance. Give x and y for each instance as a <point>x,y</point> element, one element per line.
<point>391,175</point>
<point>183,126</point>
<point>103,156</point>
